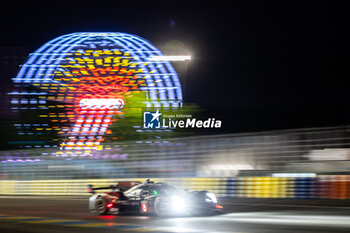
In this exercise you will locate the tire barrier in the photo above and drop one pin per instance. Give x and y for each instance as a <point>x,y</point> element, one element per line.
<point>321,187</point>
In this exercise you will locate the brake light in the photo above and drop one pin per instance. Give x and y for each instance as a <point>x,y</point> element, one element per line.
<point>219,206</point>
<point>144,208</point>
<point>109,205</point>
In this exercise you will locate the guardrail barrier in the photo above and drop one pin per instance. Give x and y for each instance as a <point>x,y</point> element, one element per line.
<point>321,187</point>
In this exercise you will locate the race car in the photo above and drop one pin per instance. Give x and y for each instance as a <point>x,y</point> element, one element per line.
<point>152,198</point>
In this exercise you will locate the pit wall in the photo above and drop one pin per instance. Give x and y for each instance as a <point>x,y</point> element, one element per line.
<point>321,187</point>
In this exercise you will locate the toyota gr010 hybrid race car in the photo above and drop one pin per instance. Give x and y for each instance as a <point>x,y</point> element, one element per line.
<point>152,198</point>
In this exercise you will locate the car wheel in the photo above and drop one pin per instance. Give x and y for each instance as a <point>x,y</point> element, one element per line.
<point>161,207</point>
<point>100,205</point>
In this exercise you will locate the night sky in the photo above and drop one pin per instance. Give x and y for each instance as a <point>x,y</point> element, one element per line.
<point>257,65</point>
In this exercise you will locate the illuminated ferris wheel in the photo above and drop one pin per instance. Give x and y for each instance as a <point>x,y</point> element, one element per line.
<point>80,81</point>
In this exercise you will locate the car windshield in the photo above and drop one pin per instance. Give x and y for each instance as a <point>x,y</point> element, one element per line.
<point>165,189</point>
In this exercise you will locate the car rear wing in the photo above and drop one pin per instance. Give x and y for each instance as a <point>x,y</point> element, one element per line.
<point>121,186</point>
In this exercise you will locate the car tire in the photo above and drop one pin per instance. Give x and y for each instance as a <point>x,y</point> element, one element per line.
<point>160,207</point>
<point>101,205</point>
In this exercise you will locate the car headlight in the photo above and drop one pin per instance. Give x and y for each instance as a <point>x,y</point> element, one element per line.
<point>178,203</point>
<point>211,198</point>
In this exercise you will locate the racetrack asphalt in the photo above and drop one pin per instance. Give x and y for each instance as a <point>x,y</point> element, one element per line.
<point>23,214</point>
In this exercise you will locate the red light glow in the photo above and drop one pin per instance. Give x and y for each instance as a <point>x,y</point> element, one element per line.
<point>144,208</point>
<point>109,205</point>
